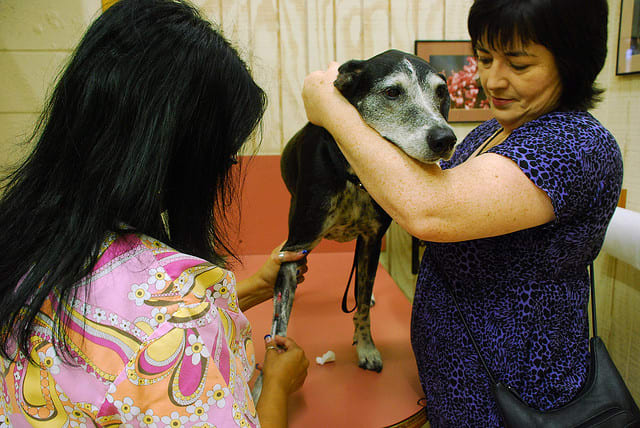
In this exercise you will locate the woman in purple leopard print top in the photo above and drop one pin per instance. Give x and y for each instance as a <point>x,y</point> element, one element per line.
<point>512,220</point>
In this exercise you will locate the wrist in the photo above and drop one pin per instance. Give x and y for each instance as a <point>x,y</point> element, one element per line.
<point>277,386</point>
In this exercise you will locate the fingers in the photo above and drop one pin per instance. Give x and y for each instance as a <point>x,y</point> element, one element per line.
<point>322,77</point>
<point>279,343</point>
<point>270,344</point>
<point>284,342</point>
<point>332,70</point>
<point>280,256</point>
<point>285,363</point>
<point>289,256</point>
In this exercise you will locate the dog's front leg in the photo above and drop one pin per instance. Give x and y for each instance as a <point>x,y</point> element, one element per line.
<point>283,295</point>
<point>368,253</point>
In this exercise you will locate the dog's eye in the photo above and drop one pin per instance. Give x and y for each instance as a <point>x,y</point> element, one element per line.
<point>392,93</point>
<point>441,91</point>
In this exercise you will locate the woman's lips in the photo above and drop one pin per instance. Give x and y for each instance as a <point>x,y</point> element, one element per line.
<point>500,102</point>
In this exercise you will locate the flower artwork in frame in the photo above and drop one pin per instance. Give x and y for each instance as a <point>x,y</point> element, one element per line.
<point>629,38</point>
<point>456,61</point>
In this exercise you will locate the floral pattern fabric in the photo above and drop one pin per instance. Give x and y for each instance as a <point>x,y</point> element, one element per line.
<point>156,338</point>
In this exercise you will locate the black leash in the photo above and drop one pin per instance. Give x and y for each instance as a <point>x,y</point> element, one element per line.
<point>354,268</point>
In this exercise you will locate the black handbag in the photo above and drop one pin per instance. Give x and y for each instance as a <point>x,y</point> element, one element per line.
<point>603,401</point>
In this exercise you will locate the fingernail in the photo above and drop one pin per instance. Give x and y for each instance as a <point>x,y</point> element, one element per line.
<point>305,252</point>
<point>267,337</point>
<point>297,271</point>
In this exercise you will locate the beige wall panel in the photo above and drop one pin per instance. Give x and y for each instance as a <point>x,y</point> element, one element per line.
<point>265,46</point>
<point>321,46</point>
<point>624,335</point>
<point>212,9</point>
<point>632,169</point>
<point>15,129</point>
<point>44,24</point>
<point>26,78</point>
<point>376,32</point>
<point>234,19</point>
<point>349,43</point>
<point>605,273</point>
<point>618,293</point>
<point>618,110</point>
<point>293,25</point>
<point>413,20</point>
<point>456,13</point>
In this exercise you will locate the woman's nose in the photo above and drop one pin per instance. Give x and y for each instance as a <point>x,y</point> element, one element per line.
<point>496,77</point>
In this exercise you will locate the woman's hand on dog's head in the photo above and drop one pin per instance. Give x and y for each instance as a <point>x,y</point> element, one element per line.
<point>319,95</point>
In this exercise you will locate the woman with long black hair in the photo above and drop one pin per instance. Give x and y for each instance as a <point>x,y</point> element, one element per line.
<point>115,304</point>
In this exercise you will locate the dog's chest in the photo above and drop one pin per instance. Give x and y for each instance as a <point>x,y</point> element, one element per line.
<point>351,213</point>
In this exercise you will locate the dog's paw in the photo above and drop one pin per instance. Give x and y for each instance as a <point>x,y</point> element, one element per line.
<point>370,359</point>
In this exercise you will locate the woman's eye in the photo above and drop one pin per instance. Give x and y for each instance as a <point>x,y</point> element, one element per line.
<point>519,67</point>
<point>392,93</point>
<point>484,60</point>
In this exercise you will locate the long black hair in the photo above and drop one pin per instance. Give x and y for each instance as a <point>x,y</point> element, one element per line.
<point>574,31</point>
<point>145,121</point>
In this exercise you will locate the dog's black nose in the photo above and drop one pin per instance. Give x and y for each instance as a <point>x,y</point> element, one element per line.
<point>441,139</point>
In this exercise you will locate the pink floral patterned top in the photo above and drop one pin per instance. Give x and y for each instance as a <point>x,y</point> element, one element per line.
<point>158,341</point>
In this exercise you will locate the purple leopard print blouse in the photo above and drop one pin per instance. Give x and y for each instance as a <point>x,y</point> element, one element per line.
<point>525,294</point>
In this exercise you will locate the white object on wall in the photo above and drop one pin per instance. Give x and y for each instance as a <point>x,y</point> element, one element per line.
<point>622,240</point>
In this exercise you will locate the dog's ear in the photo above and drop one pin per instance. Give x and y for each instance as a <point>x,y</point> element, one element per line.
<point>348,74</point>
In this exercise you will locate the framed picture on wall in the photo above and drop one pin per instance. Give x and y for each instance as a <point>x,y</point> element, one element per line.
<point>107,3</point>
<point>629,38</point>
<point>456,61</point>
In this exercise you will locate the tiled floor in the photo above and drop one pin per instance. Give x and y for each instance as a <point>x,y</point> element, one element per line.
<point>340,394</point>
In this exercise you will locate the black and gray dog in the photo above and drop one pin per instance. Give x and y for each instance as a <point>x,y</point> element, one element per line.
<point>403,98</point>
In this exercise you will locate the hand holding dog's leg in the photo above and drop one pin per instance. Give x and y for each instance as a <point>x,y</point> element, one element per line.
<point>260,286</point>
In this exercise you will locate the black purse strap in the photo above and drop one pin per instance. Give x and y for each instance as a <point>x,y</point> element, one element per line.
<point>475,344</point>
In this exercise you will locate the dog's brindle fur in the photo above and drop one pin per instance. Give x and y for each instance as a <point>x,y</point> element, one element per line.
<point>407,102</point>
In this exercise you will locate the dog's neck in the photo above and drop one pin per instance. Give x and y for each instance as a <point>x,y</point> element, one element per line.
<point>355,180</point>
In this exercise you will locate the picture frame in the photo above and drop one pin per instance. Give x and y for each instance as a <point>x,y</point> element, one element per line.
<point>106,4</point>
<point>456,60</point>
<point>628,60</point>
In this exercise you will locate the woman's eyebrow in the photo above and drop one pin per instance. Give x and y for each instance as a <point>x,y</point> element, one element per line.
<point>517,53</point>
<point>510,53</point>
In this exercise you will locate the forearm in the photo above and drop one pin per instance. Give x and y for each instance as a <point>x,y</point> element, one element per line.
<point>272,406</point>
<point>252,291</point>
<point>400,184</point>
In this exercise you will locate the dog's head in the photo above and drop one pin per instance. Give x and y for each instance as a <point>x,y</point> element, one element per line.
<point>403,98</point>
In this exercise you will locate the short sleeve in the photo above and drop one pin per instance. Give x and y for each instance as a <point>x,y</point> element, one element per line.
<point>555,155</point>
<point>195,367</point>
